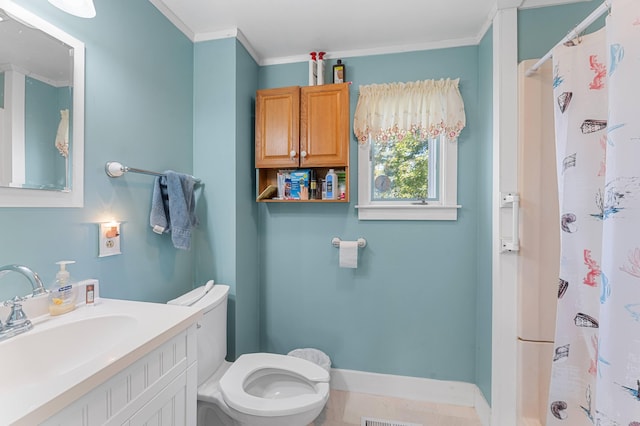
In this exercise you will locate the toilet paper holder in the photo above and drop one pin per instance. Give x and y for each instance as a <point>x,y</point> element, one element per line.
<point>335,241</point>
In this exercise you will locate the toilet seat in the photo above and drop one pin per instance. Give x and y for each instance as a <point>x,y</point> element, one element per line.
<point>234,394</point>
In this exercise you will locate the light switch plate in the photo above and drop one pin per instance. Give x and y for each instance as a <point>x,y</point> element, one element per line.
<point>109,239</point>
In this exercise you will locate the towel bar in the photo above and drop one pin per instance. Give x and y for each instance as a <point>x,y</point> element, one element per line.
<point>115,169</point>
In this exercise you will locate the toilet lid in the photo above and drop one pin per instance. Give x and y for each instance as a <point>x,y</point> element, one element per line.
<point>232,385</point>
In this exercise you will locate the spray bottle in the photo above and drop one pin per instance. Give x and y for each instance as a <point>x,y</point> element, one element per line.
<point>313,69</point>
<point>320,79</point>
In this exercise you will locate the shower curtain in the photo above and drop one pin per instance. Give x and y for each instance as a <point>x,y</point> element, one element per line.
<point>596,363</point>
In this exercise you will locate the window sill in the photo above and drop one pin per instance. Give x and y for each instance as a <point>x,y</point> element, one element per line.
<point>407,212</point>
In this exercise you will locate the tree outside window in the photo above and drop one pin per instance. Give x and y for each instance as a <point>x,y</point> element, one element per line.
<point>405,163</point>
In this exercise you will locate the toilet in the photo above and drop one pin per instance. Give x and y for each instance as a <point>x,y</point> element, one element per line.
<point>258,389</point>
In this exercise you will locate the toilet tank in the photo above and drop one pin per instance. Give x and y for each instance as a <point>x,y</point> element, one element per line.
<point>212,331</point>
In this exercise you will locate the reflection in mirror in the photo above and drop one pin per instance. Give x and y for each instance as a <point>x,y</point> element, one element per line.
<point>41,112</point>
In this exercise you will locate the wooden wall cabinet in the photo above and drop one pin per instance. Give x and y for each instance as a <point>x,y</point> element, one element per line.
<point>302,128</point>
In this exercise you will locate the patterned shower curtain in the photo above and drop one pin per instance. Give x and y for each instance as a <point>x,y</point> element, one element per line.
<point>596,363</point>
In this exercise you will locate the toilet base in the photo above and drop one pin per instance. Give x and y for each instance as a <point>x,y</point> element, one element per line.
<point>210,414</point>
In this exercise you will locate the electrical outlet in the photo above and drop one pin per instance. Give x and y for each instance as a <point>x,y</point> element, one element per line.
<point>109,239</point>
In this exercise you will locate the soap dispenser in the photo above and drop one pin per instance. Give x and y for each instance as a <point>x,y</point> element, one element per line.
<point>62,295</point>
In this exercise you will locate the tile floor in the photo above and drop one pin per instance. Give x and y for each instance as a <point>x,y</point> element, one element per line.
<point>347,408</point>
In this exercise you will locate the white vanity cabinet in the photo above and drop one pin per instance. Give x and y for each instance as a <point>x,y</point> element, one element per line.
<point>159,388</point>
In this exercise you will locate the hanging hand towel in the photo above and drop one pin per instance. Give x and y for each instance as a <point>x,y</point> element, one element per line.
<point>159,217</point>
<point>182,208</point>
<point>174,213</point>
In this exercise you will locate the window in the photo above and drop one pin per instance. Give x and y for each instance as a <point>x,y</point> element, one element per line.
<point>407,157</point>
<point>403,170</point>
<point>398,187</point>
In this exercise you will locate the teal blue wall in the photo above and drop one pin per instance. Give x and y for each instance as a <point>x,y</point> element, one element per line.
<point>248,237</point>
<point>214,148</point>
<point>410,307</point>
<point>484,188</point>
<point>225,81</point>
<point>139,110</point>
<point>41,115</point>
<point>43,102</point>
<point>541,28</point>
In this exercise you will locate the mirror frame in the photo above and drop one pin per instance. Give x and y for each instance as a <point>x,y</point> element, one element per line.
<point>18,197</point>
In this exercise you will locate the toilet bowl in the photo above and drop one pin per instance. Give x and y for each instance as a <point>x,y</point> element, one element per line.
<point>264,389</point>
<point>258,389</point>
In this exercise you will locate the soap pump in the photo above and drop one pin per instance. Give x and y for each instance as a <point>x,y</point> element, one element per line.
<point>62,296</point>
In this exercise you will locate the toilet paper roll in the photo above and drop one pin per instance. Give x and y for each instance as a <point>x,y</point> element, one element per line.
<point>348,254</point>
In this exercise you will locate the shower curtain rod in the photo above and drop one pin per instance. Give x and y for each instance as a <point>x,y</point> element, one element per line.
<point>604,7</point>
<point>115,169</point>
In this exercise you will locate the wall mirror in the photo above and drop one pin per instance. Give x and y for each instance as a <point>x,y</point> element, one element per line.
<point>41,112</point>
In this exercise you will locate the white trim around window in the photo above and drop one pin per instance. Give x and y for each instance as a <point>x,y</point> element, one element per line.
<point>445,208</point>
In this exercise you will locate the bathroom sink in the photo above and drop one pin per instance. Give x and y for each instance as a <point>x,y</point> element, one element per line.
<point>64,357</point>
<point>47,352</point>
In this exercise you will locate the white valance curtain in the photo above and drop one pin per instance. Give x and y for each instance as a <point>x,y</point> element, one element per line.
<point>426,109</point>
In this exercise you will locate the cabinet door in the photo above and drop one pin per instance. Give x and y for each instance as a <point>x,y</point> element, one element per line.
<point>168,407</point>
<point>277,127</point>
<point>324,126</point>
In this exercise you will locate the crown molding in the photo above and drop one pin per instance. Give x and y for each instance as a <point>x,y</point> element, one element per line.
<point>229,33</point>
<point>27,73</point>
<point>508,4</point>
<point>442,44</point>
<point>531,4</point>
<point>216,35</point>
<point>235,32</point>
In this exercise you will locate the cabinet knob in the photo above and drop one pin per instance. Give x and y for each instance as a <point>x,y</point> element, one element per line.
<point>303,154</point>
<point>292,154</point>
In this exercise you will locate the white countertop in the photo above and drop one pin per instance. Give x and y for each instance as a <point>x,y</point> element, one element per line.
<point>31,403</point>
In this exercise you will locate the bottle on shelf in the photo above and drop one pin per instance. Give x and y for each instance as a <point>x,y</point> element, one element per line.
<point>313,187</point>
<point>313,69</point>
<point>320,68</point>
<point>339,72</point>
<point>332,185</point>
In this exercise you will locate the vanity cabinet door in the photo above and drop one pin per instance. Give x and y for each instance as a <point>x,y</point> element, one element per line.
<point>168,407</point>
<point>162,385</point>
<point>174,405</point>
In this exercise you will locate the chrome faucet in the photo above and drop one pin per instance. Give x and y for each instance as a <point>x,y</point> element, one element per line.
<point>17,322</point>
<point>34,279</point>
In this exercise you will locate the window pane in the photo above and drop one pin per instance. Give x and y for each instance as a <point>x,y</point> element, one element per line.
<point>401,170</point>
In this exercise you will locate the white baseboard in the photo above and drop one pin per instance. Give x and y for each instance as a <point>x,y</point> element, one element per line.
<point>414,388</point>
<point>482,408</point>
